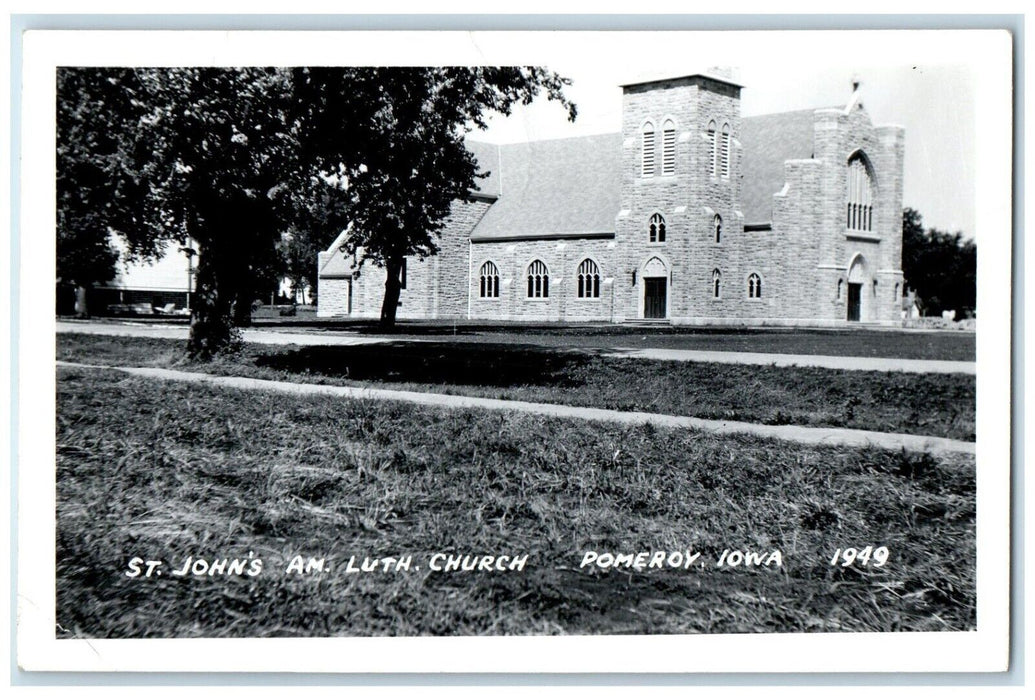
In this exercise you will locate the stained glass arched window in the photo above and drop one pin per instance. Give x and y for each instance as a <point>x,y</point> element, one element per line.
<point>589,280</point>
<point>754,286</point>
<point>538,280</point>
<point>489,280</point>
<point>656,228</point>
<point>859,214</point>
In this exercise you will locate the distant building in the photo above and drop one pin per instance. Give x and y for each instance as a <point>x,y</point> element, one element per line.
<point>691,215</point>
<point>296,294</point>
<point>169,280</point>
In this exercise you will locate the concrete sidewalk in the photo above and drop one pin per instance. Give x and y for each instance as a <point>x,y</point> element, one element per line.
<point>277,337</point>
<point>871,364</point>
<point>814,436</point>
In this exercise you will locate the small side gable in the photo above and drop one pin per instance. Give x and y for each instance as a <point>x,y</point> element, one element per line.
<point>332,262</point>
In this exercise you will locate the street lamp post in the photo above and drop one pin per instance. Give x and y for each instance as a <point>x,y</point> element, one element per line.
<point>189,251</point>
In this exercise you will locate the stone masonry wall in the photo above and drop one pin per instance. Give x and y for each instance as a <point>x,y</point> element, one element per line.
<point>562,259</point>
<point>333,297</point>
<point>837,137</point>
<point>449,290</point>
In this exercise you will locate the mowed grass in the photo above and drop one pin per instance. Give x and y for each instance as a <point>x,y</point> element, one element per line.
<point>937,405</point>
<point>842,342</point>
<point>169,470</point>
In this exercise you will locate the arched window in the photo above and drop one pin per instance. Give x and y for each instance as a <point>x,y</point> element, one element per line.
<point>724,151</point>
<point>713,142</point>
<point>648,150</point>
<point>859,215</point>
<point>668,148</point>
<point>754,286</point>
<point>657,228</point>
<point>896,294</point>
<point>489,286</point>
<point>717,227</point>
<point>538,280</point>
<point>840,289</point>
<point>716,283</point>
<point>589,280</point>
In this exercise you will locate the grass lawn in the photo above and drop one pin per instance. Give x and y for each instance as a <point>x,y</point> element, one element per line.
<point>935,405</point>
<point>164,471</point>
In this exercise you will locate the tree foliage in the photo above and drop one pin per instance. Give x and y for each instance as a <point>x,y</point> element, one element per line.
<point>317,214</point>
<point>402,159</point>
<point>235,157</point>
<point>940,267</point>
<point>86,151</point>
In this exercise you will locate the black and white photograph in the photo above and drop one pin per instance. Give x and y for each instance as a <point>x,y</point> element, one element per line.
<point>662,344</point>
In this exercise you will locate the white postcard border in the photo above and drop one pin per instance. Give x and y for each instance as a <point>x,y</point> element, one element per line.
<point>983,650</point>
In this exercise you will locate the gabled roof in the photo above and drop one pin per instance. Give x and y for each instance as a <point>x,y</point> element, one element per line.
<point>555,188</point>
<point>768,140</point>
<point>572,186</point>
<point>332,262</point>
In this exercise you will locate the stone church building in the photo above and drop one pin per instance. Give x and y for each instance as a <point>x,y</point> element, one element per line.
<point>692,214</point>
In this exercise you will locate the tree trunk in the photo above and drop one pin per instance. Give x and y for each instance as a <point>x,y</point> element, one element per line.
<point>212,330</point>
<point>81,308</point>
<point>393,286</point>
<point>243,307</point>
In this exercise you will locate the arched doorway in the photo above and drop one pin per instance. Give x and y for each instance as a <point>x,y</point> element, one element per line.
<point>858,273</point>
<point>655,289</point>
<point>655,297</point>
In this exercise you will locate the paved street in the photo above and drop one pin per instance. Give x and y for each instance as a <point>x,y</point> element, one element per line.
<point>261,336</point>
<point>266,336</point>
<point>876,364</point>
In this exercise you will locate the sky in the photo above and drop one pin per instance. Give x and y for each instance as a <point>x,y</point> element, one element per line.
<point>949,89</point>
<point>935,103</point>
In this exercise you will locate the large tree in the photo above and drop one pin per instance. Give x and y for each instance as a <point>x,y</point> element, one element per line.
<point>234,157</point>
<point>940,267</point>
<point>203,153</point>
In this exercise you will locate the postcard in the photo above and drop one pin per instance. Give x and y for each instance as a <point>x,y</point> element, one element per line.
<point>495,351</point>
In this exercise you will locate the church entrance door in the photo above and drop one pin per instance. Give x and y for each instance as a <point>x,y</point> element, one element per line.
<point>854,301</point>
<point>655,297</point>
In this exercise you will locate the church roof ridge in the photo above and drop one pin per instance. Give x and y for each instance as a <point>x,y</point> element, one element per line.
<point>551,139</point>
